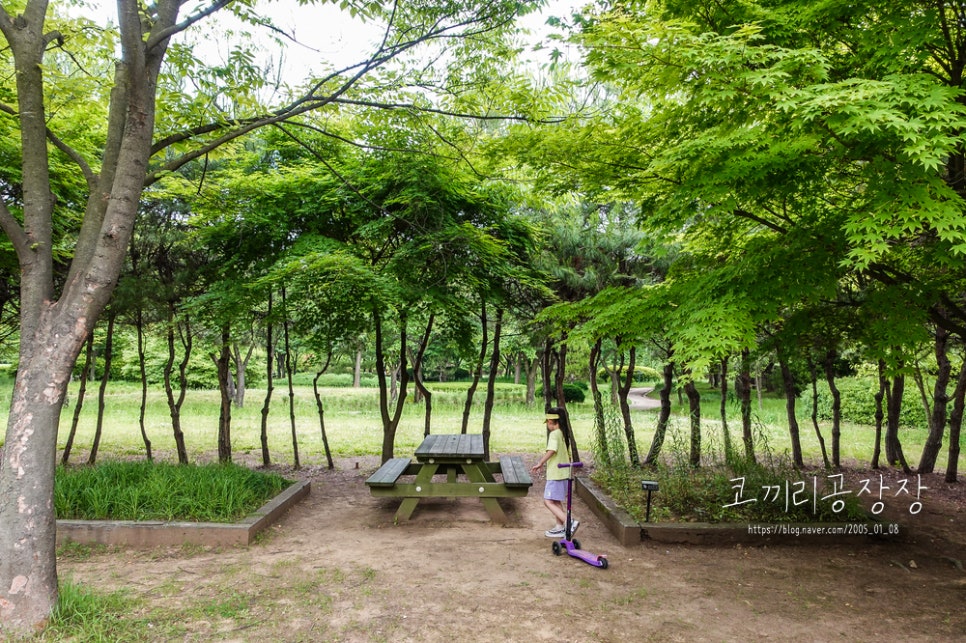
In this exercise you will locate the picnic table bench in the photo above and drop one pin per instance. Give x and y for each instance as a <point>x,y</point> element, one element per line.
<point>460,459</point>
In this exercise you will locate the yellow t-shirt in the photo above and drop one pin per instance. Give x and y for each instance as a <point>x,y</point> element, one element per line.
<point>557,444</point>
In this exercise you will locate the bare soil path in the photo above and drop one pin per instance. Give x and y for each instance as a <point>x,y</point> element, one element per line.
<point>336,568</point>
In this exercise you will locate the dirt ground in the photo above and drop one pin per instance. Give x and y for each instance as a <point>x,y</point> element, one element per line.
<point>337,568</point>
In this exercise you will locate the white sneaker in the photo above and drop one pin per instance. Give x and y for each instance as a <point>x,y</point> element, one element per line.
<point>556,532</point>
<point>573,527</point>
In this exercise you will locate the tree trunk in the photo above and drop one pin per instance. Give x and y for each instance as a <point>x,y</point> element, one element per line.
<point>491,382</point>
<point>241,369</point>
<point>623,392</point>
<point>418,376</point>
<point>291,388</point>
<point>743,389</point>
<point>223,363</point>
<point>477,370</point>
<point>664,416</point>
<point>533,367</point>
<point>142,410</point>
<point>102,391</point>
<point>879,416</point>
<point>788,381</point>
<point>836,409</point>
<point>357,370</point>
<point>940,399</point>
<point>81,393</point>
<point>600,432</point>
<point>723,411</point>
<point>269,383</point>
<point>546,370</point>
<point>175,404</point>
<point>694,414</point>
<point>893,445</point>
<point>321,408</point>
<point>390,420</point>
<point>813,371</point>
<point>955,425</point>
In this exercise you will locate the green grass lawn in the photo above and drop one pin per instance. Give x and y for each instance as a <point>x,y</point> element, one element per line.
<point>354,426</point>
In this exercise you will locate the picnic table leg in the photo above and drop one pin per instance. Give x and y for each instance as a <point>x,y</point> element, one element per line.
<point>476,473</point>
<point>408,505</point>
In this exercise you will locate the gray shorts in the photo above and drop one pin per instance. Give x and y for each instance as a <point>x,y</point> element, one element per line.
<point>555,490</point>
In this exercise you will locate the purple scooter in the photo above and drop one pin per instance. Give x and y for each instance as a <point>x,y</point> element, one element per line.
<point>569,543</point>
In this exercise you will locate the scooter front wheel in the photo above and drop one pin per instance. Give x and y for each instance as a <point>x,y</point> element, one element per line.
<point>557,550</point>
<point>576,543</point>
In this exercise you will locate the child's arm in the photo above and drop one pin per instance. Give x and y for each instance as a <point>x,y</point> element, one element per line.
<point>543,460</point>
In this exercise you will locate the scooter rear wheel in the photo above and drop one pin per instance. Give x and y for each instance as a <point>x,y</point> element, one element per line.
<point>602,561</point>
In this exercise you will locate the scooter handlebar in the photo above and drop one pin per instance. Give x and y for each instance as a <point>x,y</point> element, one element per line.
<point>564,465</point>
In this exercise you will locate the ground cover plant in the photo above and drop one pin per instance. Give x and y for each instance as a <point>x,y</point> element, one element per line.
<point>162,491</point>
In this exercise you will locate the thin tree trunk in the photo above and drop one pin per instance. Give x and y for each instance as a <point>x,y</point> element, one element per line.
<point>357,370</point>
<point>478,369</point>
<point>321,409</point>
<point>223,363</point>
<point>694,414</point>
<point>893,410</point>
<point>491,382</point>
<point>390,421</point>
<point>723,411</point>
<point>426,394</point>
<point>624,391</point>
<point>175,404</point>
<point>879,416</point>
<point>85,373</point>
<point>102,391</point>
<point>142,367</point>
<point>955,425</point>
<point>291,388</point>
<point>836,409</point>
<point>664,416</point>
<point>743,389</point>
<point>813,371</point>
<point>269,382</point>
<point>788,380</point>
<point>940,399</point>
<point>600,432</point>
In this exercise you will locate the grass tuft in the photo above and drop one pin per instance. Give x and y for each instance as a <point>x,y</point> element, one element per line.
<point>158,491</point>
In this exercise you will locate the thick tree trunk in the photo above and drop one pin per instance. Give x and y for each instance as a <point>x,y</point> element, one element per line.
<point>940,398</point>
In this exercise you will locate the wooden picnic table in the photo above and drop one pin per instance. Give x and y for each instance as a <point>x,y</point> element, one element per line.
<point>460,459</point>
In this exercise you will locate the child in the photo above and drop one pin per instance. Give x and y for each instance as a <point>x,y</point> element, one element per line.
<point>555,491</point>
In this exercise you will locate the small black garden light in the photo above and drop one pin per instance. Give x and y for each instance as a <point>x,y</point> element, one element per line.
<point>648,486</point>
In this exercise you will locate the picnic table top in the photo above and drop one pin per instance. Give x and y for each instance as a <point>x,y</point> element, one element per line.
<point>451,446</point>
